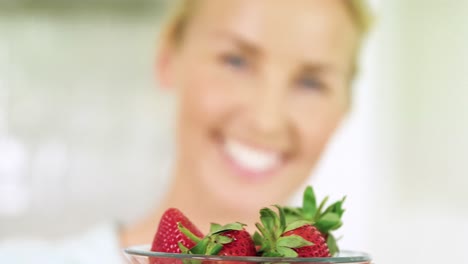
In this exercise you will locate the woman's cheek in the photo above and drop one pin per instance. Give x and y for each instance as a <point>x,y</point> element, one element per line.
<point>314,129</point>
<point>207,94</point>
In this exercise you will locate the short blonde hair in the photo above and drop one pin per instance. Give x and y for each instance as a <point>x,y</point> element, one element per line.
<point>362,15</point>
<point>182,10</point>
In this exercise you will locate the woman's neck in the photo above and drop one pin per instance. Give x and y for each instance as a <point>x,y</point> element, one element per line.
<point>200,206</point>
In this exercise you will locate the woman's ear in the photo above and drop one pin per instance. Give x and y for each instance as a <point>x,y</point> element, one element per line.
<point>164,66</point>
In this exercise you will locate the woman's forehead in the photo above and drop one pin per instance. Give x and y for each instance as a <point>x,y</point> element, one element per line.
<point>274,13</point>
<point>304,29</point>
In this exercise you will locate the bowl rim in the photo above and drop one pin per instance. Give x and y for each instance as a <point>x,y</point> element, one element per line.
<point>354,256</point>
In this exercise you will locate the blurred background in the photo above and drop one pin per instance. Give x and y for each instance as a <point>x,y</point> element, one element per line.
<point>85,133</point>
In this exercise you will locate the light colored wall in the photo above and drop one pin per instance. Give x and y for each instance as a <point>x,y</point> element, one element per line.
<point>84,130</point>
<point>424,216</point>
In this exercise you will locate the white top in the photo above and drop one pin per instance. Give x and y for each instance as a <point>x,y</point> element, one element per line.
<point>98,245</point>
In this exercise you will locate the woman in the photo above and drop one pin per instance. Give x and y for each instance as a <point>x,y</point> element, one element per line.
<point>261,87</point>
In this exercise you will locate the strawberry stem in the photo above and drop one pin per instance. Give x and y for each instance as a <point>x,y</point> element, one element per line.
<point>188,233</point>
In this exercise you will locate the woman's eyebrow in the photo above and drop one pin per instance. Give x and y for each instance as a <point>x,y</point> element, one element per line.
<point>316,68</point>
<point>243,42</point>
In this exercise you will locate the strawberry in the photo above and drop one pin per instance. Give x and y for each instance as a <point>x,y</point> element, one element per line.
<point>168,236</point>
<point>228,240</point>
<point>311,234</point>
<point>298,239</point>
<point>241,244</point>
<point>324,220</point>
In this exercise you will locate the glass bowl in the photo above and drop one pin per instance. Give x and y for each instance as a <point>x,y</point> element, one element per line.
<point>142,255</point>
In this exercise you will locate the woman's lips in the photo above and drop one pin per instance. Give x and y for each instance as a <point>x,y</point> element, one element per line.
<point>251,162</point>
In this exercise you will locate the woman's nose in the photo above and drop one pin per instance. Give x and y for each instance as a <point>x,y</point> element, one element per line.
<point>268,108</point>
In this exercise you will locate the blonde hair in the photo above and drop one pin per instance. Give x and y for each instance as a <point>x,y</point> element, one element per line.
<point>362,15</point>
<point>182,11</point>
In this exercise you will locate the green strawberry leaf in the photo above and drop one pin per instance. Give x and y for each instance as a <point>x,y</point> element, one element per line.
<point>332,245</point>
<point>267,217</point>
<point>309,203</point>
<point>257,238</point>
<point>280,223</point>
<point>292,210</point>
<point>183,248</point>
<point>223,240</point>
<point>293,241</point>
<point>262,230</point>
<point>215,228</point>
<point>286,252</point>
<point>290,218</point>
<point>188,233</point>
<point>201,247</point>
<point>319,210</point>
<point>297,224</point>
<point>328,221</point>
<point>292,214</point>
<point>228,227</point>
<point>336,207</point>
<point>234,226</point>
<point>213,249</point>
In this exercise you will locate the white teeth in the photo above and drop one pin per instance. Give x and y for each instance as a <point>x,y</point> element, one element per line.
<point>249,158</point>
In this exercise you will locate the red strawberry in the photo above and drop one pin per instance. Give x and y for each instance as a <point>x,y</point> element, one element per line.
<point>241,244</point>
<point>324,219</point>
<point>298,239</point>
<point>311,234</point>
<point>228,240</point>
<point>168,235</point>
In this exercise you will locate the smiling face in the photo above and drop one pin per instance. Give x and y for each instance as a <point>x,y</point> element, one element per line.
<point>262,86</point>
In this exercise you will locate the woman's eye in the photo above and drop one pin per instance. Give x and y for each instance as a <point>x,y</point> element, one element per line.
<point>235,61</point>
<point>310,83</point>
